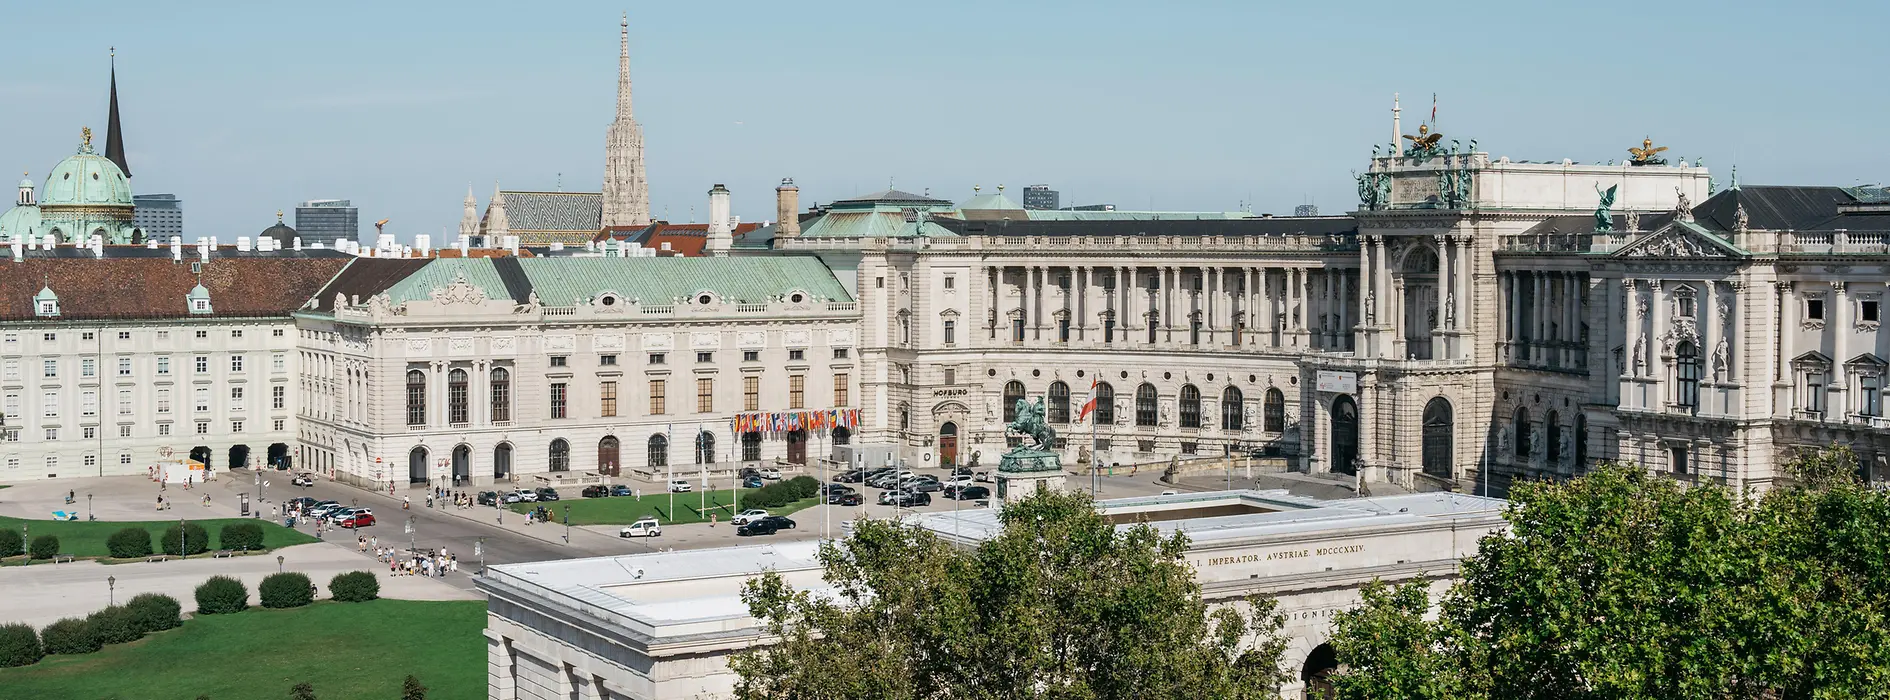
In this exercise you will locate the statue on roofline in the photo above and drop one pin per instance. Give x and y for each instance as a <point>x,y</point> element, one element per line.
<point>1604,221</point>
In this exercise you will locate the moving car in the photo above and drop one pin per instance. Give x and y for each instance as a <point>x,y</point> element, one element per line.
<point>966,493</point>
<point>679,486</point>
<point>361,518</point>
<point>643,527</point>
<point>780,521</point>
<point>488,498</point>
<point>303,479</point>
<point>748,516</point>
<point>764,526</point>
<point>845,499</point>
<point>770,473</point>
<point>547,493</point>
<point>622,490</point>
<point>598,491</point>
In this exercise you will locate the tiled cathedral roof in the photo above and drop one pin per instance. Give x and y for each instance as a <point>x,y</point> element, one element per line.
<point>155,287</point>
<point>554,211</point>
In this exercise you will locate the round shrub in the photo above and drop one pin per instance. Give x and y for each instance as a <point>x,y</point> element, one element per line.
<point>288,589</point>
<point>194,540</point>
<point>114,625</point>
<point>222,594</point>
<point>240,536</point>
<point>354,587</point>
<point>129,543</point>
<point>804,487</point>
<point>44,547</point>
<point>12,543</point>
<point>19,646</point>
<point>154,612</point>
<point>69,636</point>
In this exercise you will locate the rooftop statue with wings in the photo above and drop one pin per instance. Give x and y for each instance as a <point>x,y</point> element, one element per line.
<point>1424,143</point>
<point>1646,154</point>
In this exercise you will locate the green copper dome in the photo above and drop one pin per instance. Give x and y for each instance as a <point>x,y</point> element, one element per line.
<point>20,221</point>
<point>86,179</point>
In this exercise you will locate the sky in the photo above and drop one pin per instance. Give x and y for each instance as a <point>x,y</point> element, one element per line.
<point>243,109</point>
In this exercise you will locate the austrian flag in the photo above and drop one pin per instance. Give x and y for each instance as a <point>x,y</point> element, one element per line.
<point>1089,405</point>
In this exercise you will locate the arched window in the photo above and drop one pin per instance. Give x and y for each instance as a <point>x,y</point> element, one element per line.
<point>1057,406</point>
<point>705,447</point>
<point>416,397</point>
<point>560,455</point>
<point>501,395</point>
<point>1551,424</point>
<point>1274,412</point>
<point>1154,321</point>
<point>659,450</point>
<point>1146,412</point>
<point>456,396</point>
<point>1687,371</point>
<point>1105,404</point>
<point>1581,442</point>
<point>1232,403</point>
<point>905,416</point>
<point>842,436</point>
<point>1190,406</point>
<point>1013,392</point>
<point>1520,425</point>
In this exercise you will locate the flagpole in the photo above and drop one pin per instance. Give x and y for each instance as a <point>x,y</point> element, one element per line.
<point>669,470</point>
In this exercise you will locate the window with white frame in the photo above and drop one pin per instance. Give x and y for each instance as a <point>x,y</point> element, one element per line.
<point>203,399</point>
<point>88,403</point>
<point>88,367</point>
<point>89,432</point>
<point>164,365</point>
<point>164,401</point>
<point>1866,374</point>
<point>203,427</point>
<point>1813,371</point>
<point>236,363</point>
<point>124,366</point>
<point>278,397</point>
<point>278,363</point>
<point>203,364</point>
<point>124,402</point>
<point>49,368</point>
<point>124,431</point>
<point>10,370</point>
<point>236,398</point>
<point>164,429</point>
<point>49,404</point>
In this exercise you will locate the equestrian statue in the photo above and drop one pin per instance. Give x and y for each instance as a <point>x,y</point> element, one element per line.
<point>1030,422</point>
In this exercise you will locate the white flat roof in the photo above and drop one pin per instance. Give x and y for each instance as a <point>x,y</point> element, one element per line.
<point>1289,513</point>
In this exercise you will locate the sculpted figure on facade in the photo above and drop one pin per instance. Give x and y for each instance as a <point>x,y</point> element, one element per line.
<point>1567,458</point>
<point>1633,221</point>
<point>1720,360</point>
<point>1502,440</point>
<point>1536,452</point>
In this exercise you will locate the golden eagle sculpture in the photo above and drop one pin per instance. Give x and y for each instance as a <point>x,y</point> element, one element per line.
<point>1424,140</point>
<point>1645,154</point>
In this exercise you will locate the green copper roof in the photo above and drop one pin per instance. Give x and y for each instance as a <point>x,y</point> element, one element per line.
<point>86,179</point>
<point>570,281</point>
<point>45,294</point>
<point>886,222</point>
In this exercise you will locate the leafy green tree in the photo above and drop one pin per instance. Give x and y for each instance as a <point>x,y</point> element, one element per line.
<point>1058,604</point>
<point>412,690</point>
<point>302,691</point>
<point>1395,652</point>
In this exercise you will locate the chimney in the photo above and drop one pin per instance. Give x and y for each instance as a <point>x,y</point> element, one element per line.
<point>242,243</point>
<point>298,242</point>
<point>423,243</point>
<point>465,246</point>
<point>787,209</point>
<point>721,236</point>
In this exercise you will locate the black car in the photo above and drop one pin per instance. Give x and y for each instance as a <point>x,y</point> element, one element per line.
<point>546,493</point>
<point>488,498</point>
<point>748,472</point>
<point>852,476</point>
<point>780,521</point>
<point>761,526</point>
<point>967,493</point>
<point>835,489</point>
<point>302,501</point>
<point>961,471</point>
<point>595,492</point>
<point>845,499</point>
<point>622,490</point>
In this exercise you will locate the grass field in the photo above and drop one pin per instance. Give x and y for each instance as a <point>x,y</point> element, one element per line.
<point>347,650</point>
<point>87,539</point>
<point>623,510</point>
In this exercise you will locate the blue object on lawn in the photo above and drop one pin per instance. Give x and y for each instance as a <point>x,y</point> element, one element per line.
<point>62,515</point>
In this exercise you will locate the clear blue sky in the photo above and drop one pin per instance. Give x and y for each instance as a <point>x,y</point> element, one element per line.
<point>245,108</point>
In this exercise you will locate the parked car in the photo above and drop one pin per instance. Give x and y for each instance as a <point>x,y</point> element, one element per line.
<point>758,527</point>
<point>961,471</point>
<point>622,490</point>
<point>598,491</point>
<point>982,477</point>
<point>770,473</point>
<point>322,510</point>
<point>966,493</point>
<point>835,489</point>
<point>779,521</point>
<point>924,483</point>
<point>488,498</point>
<point>303,479</point>
<point>679,486</point>
<point>547,493</point>
<point>303,502</point>
<point>960,480</point>
<point>845,499</point>
<point>905,499</point>
<point>887,479</point>
<point>355,520</point>
<point>752,482</point>
<point>851,476</point>
<point>643,527</point>
<point>520,496</point>
<point>748,516</point>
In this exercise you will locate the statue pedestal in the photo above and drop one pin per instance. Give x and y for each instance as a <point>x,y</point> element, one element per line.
<point>1024,471</point>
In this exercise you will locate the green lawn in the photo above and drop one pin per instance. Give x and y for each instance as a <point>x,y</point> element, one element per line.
<point>623,510</point>
<point>347,650</point>
<point>80,538</point>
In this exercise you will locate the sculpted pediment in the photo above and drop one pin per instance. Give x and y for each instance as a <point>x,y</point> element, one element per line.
<point>1679,240</point>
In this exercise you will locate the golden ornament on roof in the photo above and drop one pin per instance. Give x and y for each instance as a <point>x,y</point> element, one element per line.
<point>1647,151</point>
<point>1424,139</point>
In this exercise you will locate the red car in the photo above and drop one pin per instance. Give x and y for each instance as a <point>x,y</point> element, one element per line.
<point>356,520</point>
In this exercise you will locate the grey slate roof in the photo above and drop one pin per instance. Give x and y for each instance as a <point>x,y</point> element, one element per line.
<point>566,281</point>
<point>1275,226</point>
<point>554,211</point>
<point>891,197</point>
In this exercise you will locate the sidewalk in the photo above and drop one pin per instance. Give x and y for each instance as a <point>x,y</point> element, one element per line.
<point>553,533</point>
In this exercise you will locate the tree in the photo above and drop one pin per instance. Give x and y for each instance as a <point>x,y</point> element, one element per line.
<point>412,690</point>
<point>302,691</point>
<point>1059,604</point>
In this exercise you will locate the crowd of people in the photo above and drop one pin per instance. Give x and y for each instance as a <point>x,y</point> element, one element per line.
<point>432,564</point>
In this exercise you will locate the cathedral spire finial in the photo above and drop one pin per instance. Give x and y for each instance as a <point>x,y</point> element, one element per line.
<point>623,68</point>
<point>626,192</point>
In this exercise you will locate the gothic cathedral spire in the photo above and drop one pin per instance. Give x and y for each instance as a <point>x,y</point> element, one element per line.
<point>115,136</point>
<point>626,189</point>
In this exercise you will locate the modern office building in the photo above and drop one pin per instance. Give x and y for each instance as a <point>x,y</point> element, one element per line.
<point>326,221</point>
<point>160,216</point>
<point>1040,197</point>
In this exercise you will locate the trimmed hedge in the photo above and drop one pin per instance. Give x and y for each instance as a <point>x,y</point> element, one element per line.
<point>69,636</point>
<point>154,612</point>
<point>45,547</point>
<point>19,646</point>
<point>12,543</point>
<point>354,587</point>
<point>129,543</point>
<point>194,540</point>
<point>114,625</point>
<point>222,594</point>
<point>289,589</point>
<point>241,536</point>
<point>781,493</point>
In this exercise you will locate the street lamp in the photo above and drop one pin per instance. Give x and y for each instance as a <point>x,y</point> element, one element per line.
<point>278,563</point>
<point>413,548</point>
<point>88,508</point>
<point>567,523</point>
<point>111,590</point>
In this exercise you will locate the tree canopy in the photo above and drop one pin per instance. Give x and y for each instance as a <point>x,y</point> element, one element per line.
<point>1059,604</point>
<point>1622,584</point>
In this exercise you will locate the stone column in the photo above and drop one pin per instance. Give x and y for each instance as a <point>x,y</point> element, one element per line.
<point>994,276</point>
<point>1656,366</point>
<point>1838,407</point>
<point>1736,327</point>
<point>1465,273</point>
<point>1343,309</point>
<point>1440,344</point>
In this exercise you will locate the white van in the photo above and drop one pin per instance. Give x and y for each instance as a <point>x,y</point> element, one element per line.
<point>646,527</point>
<point>679,486</point>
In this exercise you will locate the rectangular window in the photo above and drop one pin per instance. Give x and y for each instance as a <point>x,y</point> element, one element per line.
<point>559,361</point>
<point>163,336</point>
<point>1868,311</point>
<point>751,393</point>
<point>1677,457</point>
<point>751,355</point>
<point>1063,330</point>
<point>52,435</point>
<point>278,397</point>
<point>1145,446</point>
<point>124,458</point>
<point>202,335</point>
<point>49,404</point>
<point>203,364</point>
<point>951,376</point>
<point>164,429</point>
<point>839,390</point>
<point>1109,329</point>
<point>656,358</point>
<point>124,335</point>
<point>879,283</point>
<point>951,282</point>
<point>237,333</point>
<point>1870,402</point>
<point>278,363</point>
<point>951,332</point>
<point>606,360</point>
<point>91,460</point>
<point>88,336</point>
<point>607,399</point>
<point>164,401</point>
<point>279,423</point>
<point>705,357</point>
<point>164,365</point>
<point>839,353</point>
<point>49,368</point>
<point>1814,392</point>
<point>203,428</point>
<point>1814,309</point>
<point>276,333</point>
<point>49,337</point>
<point>88,403</point>
<point>797,391</point>
<point>796,355</point>
<point>203,399</point>
<point>705,395</point>
<point>236,426</point>
<point>236,363</point>
<point>88,367</point>
<point>659,400</point>
<point>557,400</point>
<point>236,398</point>
<point>1017,330</point>
<point>124,431</point>
<point>11,371</point>
<point>124,366</point>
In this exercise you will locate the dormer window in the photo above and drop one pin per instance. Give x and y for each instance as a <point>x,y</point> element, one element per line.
<point>200,305</point>
<point>198,300</point>
<point>49,308</point>
<point>46,303</point>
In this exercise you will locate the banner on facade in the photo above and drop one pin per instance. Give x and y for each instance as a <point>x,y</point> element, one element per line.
<point>776,424</point>
<point>1338,382</point>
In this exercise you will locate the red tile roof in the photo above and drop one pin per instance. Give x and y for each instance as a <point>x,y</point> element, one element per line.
<point>152,287</point>
<point>686,240</point>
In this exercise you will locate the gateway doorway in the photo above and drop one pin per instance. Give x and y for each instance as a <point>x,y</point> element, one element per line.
<point>1344,435</point>
<point>948,445</point>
